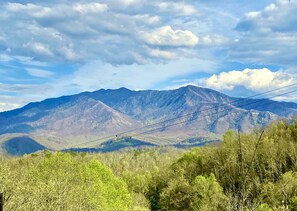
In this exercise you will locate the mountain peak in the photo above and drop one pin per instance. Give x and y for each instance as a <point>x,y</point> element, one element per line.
<point>123,89</point>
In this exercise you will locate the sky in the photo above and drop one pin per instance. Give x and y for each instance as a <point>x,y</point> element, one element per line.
<point>52,48</point>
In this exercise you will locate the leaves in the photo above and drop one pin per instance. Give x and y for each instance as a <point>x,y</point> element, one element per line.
<point>242,173</point>
<point>60,181</point>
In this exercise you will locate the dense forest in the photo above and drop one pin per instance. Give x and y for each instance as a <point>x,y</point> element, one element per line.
<point>256,171</point>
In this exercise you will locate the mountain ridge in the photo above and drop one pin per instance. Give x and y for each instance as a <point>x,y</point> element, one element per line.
<point>195,112</point>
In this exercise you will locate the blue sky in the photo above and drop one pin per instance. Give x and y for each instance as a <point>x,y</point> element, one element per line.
<point>59,47</point>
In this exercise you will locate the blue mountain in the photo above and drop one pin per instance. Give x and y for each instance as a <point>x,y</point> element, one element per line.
<point>192,113</point>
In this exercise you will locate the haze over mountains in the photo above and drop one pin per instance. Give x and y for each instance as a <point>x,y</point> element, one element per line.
<point>195,112</point>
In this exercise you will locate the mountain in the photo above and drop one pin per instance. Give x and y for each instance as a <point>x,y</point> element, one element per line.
<point>195,113</point>
<point>80,115</point>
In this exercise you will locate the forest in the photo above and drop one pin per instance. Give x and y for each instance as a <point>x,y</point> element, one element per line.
<point>255,171</point>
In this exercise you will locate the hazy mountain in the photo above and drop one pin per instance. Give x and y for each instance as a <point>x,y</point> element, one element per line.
<point>194,112</point>
<point>73,116</point>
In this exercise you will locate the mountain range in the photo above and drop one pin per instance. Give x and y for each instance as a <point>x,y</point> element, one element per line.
<point>170,117</point>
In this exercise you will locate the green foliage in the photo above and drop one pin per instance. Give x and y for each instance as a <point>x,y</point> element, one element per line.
<point>246,172</point>
<point>207,194</point>
<point>264,207</point>
<point>61,182</point>
<point>177,195</point>
<point>204,193</point>
<point>242,165</point>
<point>293,204</point>
<point>282,193</point>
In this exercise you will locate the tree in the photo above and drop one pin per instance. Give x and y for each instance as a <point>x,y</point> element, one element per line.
<point>207,194</point>
<point>60,181</point>
<point>204,193</point>
<point>283,193</point>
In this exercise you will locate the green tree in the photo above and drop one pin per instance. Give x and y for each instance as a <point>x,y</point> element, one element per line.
<point>207,194</point>
<point>204,193</point>
<point>60,181</point>
<point>283,193</point>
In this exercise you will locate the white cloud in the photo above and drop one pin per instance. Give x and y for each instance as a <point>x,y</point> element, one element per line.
<point>166,36</point>
<point>39,73</point>
<point>82,31</point>
<point>90,8</point>
<point>69,53</point>
<point>12,102</point>
<point>146,18</point>
<point>178,8</point>
<point>5,58</point>
<point>30,9</point>
<point>26,93</point>
<point>29,61</point>
<point>269,36</point>
<point>252,15</point>
<point>213,40</point>
<point>39,49</point>
<point>63,31</point>
<point>162,54</point>
<point>131,2</point>
<point>252,79</point>
<point>96,75</point>
<point>8,106</point>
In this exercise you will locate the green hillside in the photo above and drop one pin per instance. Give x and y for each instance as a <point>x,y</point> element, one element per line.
<point>256,171</point>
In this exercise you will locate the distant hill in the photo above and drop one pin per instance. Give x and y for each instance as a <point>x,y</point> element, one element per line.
<point>196,113</point>
<point>111,145</point>
<point>21,145</point>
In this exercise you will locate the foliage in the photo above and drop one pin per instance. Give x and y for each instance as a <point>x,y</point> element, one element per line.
<point>204,193</point>
<point>256,171</point>
<point>282,193</point>
<point>59,181</point>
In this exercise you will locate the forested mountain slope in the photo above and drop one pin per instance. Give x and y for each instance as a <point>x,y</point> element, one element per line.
<point>194,112</point>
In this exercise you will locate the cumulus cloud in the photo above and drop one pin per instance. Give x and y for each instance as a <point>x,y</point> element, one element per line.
<point>166,36</point>
<point>64,31</point>
<point>276,17</point>
<point>82,31</point>
<point>269,35</point>
<point>252,79</point>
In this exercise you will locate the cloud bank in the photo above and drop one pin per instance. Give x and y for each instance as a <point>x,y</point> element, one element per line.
<point>269,36</point>
<point>116,32</point>
<point>247,82</point>
<point>252,79</point>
